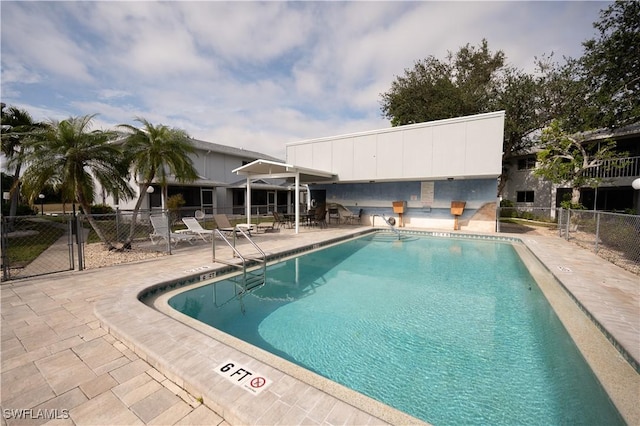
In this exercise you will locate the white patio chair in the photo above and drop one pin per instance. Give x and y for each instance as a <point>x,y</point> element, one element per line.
<point>194,227</point>
<point>161,231</point>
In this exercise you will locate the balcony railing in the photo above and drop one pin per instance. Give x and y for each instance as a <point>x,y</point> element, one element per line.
<point>616,168</point>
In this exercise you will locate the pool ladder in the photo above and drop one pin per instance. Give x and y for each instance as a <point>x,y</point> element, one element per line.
<point>250,278</point>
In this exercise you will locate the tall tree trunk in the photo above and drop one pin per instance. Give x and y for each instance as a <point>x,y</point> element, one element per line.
<point>15,197</point>
<point>575,196</point>
<point>15,194</point>
<point>87,213</point>
<point>134,216</point>
<point>502,182</point>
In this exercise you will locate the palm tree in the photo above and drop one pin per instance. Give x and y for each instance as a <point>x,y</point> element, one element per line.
<point>71,158</point>
<point>156,153</point>
<point>17,127</point>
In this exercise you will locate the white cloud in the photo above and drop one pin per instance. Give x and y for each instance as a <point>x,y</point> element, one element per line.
<point>32,39</point>
<point>255,74</point>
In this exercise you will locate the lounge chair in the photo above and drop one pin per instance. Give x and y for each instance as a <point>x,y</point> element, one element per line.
<point>161,231</point>
<point>224,225</point>
<point>267,226</point>
<point>281,220</point>
<point>194,227</point>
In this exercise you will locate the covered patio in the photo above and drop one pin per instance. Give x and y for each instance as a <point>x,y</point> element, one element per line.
<point>266,169</point>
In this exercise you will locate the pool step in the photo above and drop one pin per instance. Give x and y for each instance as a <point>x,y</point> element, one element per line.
<point>385,236</point>
<point>252,281</point>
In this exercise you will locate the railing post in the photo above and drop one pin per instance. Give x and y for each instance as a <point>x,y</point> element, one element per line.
<point>597,232</point>
<point>166,215</point>
<point>72,260</point>
<point>213,244</point>
<point>79,239</point>
<point>117,223</point>
<point>566,232</point>
<point>3,249</point>
<point>234,240</point>
<point>560,214</point>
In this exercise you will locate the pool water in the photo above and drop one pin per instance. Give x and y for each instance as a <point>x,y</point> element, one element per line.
<point>450,331</point>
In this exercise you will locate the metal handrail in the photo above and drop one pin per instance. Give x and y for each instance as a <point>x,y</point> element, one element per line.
<point>243,259</point>
<point>391,226</point>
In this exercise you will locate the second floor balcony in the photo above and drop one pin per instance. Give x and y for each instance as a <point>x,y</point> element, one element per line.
<point>627,167</point>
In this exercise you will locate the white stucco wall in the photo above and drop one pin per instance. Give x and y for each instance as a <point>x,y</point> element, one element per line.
<point>465,147</point>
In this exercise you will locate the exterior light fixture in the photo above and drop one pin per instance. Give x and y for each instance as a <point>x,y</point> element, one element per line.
<point>150,189</point>
<point>41,197</point>
<point>636,184</point>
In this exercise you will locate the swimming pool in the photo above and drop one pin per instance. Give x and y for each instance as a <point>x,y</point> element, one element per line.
<point>447,330</point>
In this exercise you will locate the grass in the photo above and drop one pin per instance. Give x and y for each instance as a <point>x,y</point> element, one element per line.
<point>21,251</point>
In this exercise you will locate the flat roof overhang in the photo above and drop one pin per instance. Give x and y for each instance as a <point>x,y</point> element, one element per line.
<point>273,169</point>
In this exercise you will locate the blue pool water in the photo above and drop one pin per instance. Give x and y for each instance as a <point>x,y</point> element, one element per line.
<point>451,331</point>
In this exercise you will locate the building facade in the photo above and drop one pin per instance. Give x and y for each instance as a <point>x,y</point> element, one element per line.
<point>613,193</point>
<point>425,167</point>
<point>217,190</point>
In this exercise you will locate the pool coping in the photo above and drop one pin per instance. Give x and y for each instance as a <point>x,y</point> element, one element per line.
<point>128,319</point>
<point>123,317</point>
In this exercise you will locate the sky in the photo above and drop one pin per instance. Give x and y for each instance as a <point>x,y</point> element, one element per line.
<point>256,75</point>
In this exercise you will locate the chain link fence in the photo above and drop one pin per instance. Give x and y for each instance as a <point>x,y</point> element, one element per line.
<point>44,244</point>
<point>36,245</point>
<point>122,238</point>
<point>613,236</point>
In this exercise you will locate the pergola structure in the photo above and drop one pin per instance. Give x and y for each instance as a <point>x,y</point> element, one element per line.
<point>261,169</point>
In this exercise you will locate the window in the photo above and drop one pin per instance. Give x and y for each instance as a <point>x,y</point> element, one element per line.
<point>524,196</point>
<point>527,163</point>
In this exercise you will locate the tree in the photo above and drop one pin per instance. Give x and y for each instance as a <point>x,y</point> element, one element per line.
<point>566,159</point>
<point>611,66</point>
<point>155,153</point>
<point>461,85</point>
<point>69,156</point>
<point>17,127</point>
<point>475,80</point>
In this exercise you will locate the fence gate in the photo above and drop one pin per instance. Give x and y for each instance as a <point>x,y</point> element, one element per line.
<point>36,245</point>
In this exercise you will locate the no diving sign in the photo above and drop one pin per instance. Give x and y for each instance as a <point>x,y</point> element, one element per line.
<point>249,380</point>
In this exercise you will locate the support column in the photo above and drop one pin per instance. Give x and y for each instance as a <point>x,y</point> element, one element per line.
<point>247,201</point>
<point>297,201</point>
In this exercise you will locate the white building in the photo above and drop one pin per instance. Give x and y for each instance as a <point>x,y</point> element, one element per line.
<point>424,166</point>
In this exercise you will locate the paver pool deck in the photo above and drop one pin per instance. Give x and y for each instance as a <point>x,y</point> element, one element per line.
<point>80,348</point>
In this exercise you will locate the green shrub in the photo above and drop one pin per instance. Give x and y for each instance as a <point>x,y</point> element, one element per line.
<point>528,215</point>
<point>507,210</point>
<point>22,210</point>
<point>569,205</point>
<point>101,209</point>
